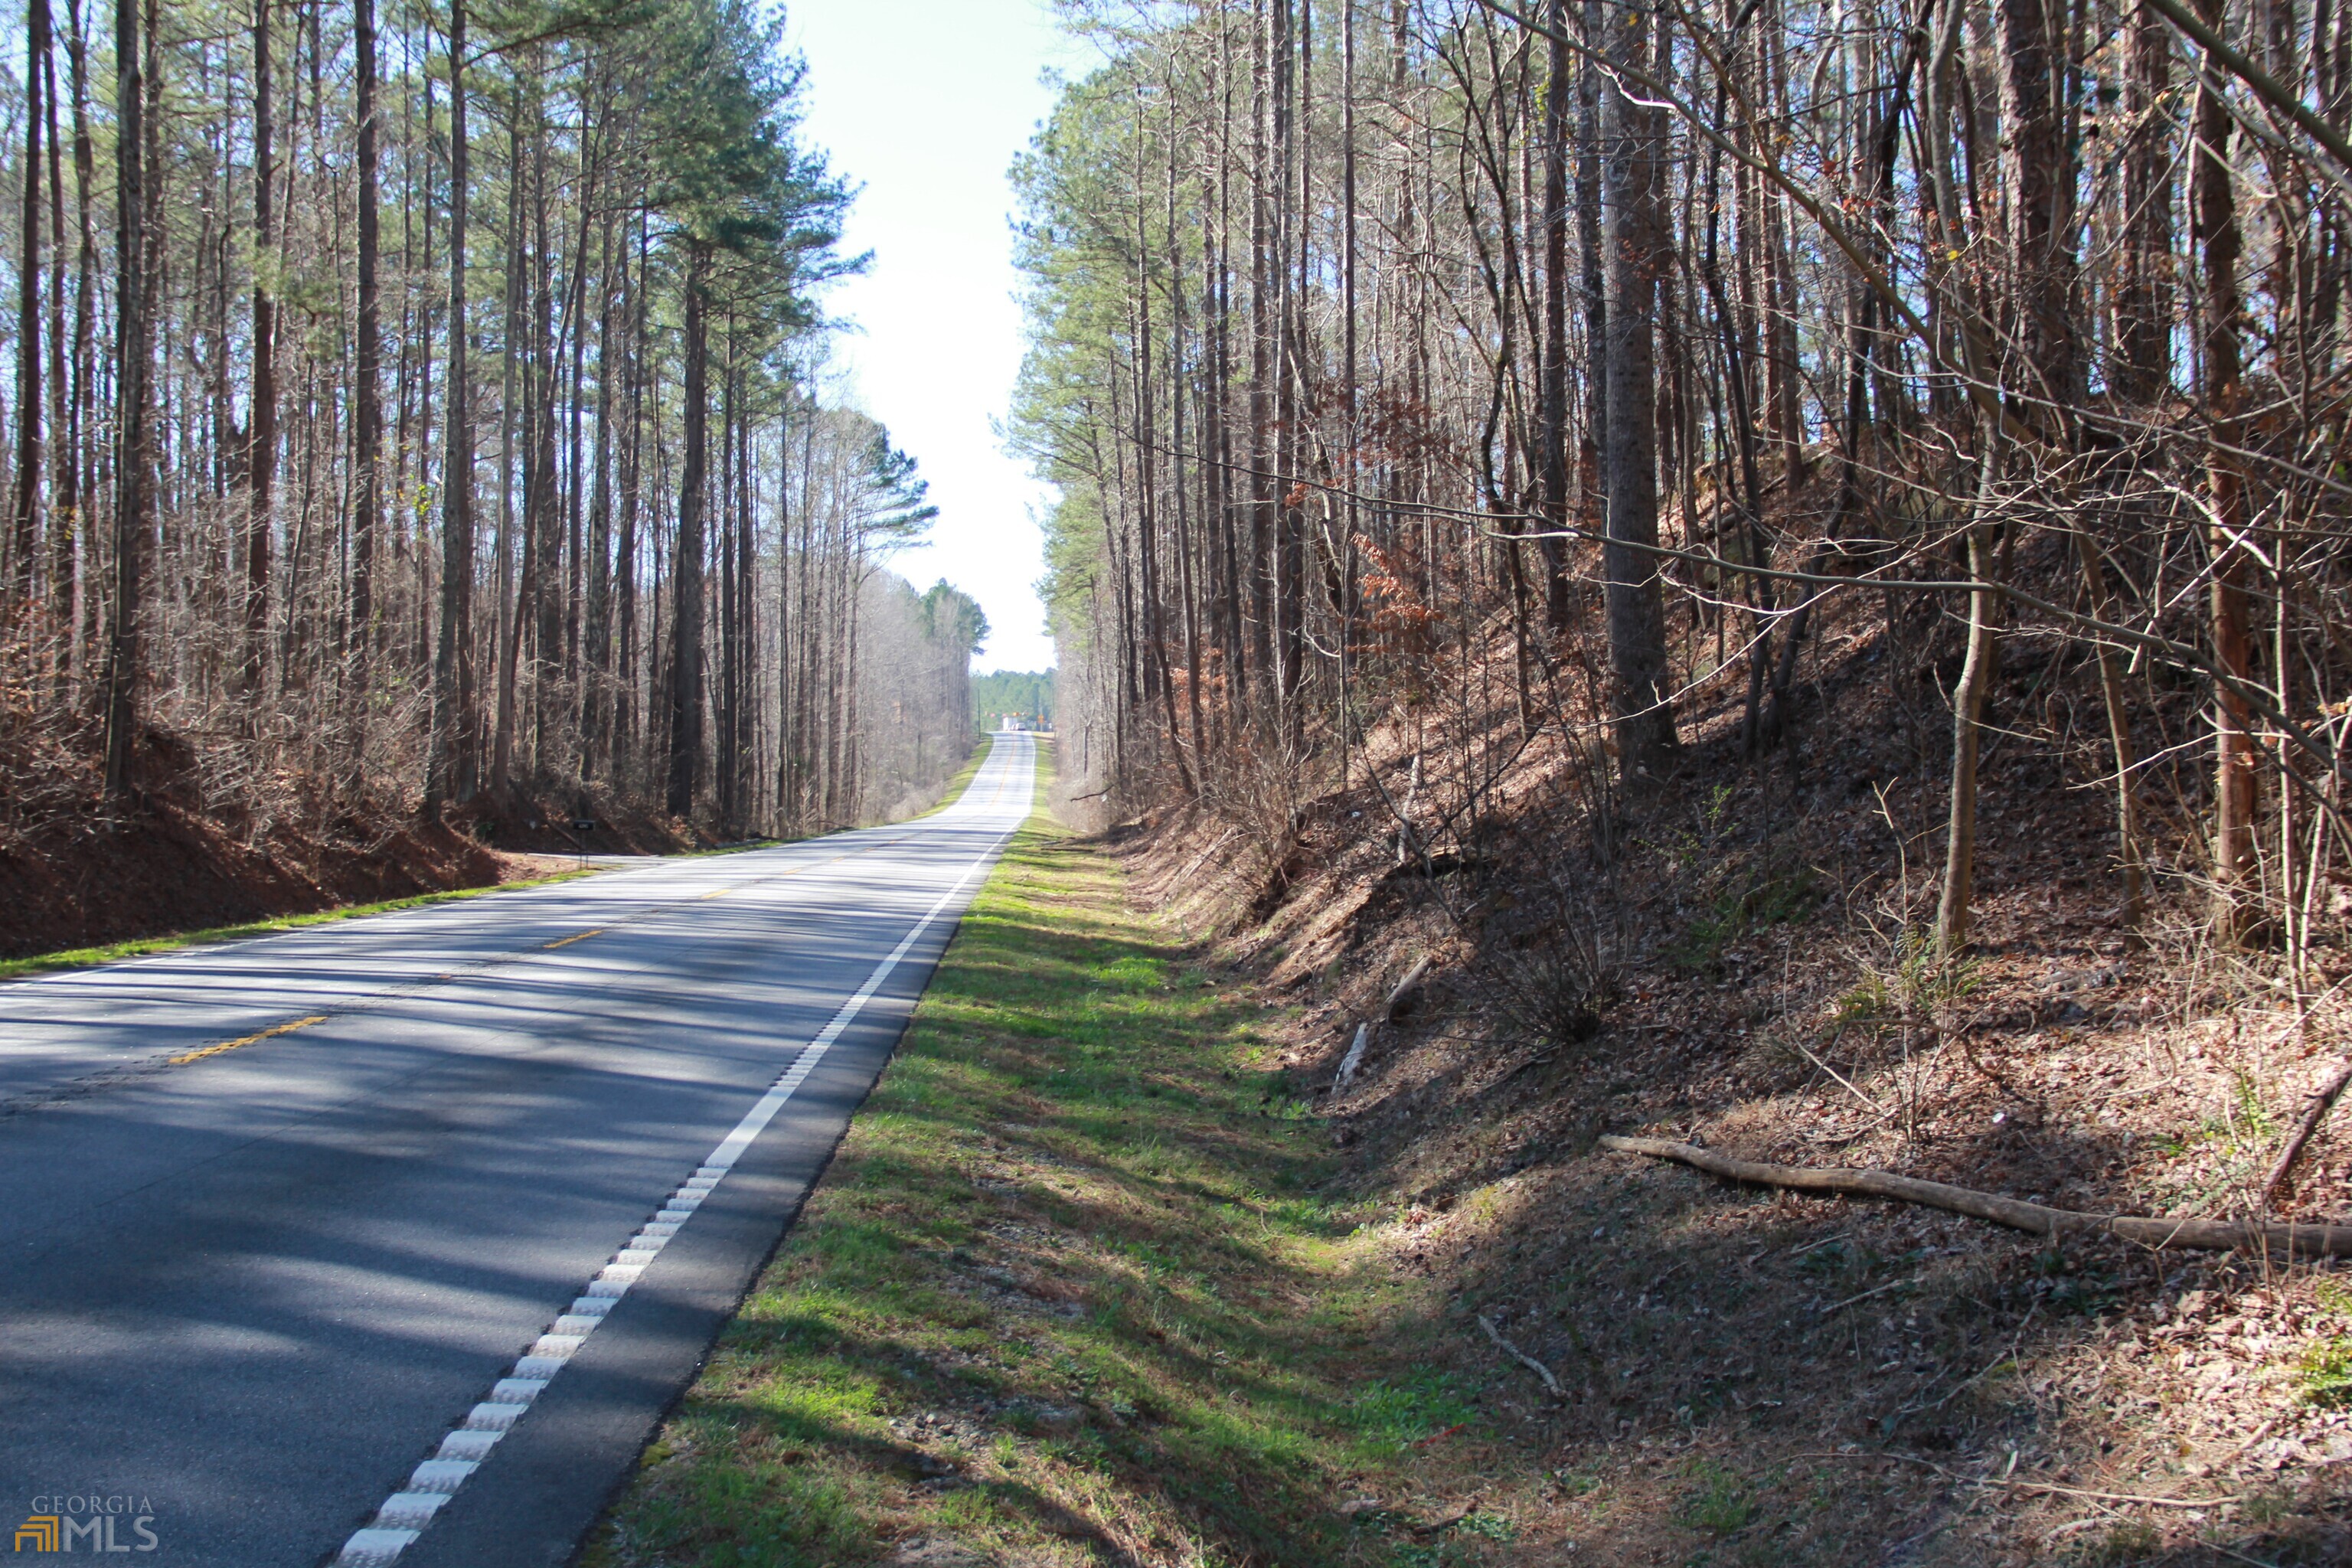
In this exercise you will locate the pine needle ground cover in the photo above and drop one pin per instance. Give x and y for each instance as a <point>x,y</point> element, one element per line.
<point>1068,1295</point>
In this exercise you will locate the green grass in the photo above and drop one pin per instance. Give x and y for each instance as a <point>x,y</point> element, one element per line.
<point>1720,1501</point>
<point>139,947</point>
<point>2324,1375</point>
<point>1070,1287</point>
<point>1911,980</point>
<point>1755,904</point>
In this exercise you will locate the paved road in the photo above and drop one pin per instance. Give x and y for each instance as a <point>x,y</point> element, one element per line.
<point>393,1238</point>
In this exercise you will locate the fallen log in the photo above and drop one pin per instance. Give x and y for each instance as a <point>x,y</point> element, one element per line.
<point>2039,1219</point>
<point>2321,1104</point>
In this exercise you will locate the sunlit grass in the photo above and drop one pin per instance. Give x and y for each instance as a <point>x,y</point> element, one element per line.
<point>1069,1285</point>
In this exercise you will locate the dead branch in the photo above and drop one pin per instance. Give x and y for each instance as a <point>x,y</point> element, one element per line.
<point>1516,1354</point>
<point>2050,1487</point>
<point>1355,1056</point>
<point>2321,1104</point>
<point>2039,1219</point>
<point>1403,988</point>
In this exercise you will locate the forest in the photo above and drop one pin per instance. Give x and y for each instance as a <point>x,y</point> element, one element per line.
<point>1607,351</point>
<point>1762,586</point>
<point>421,414</point>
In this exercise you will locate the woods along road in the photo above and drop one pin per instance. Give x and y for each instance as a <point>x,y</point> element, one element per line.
<point>391,1239</point>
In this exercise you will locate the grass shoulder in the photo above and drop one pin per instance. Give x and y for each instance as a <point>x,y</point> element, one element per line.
<point>1072,1291</point>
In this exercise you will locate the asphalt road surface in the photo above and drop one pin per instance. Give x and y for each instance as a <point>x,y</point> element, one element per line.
<point>393,1238</point>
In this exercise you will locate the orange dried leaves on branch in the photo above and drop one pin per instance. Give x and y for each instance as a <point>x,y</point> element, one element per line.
<point>1401,623</point>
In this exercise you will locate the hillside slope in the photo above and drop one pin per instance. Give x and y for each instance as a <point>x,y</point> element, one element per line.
<point>1739,959</point>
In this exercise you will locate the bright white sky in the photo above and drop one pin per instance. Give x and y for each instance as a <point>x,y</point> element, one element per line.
<point>925,102</point>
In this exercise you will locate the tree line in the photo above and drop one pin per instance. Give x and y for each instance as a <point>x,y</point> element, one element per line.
<point>1607,349</point>
<point>1021,693</point>
<point>422,405</point>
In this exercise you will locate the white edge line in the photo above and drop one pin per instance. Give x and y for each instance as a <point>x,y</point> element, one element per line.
<point>403,1516</point>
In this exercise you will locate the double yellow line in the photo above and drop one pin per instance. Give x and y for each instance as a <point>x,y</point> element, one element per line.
<point>286,1028</point>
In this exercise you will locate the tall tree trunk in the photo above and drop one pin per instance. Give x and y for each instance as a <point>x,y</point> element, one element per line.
<point>2039,181</point>
<point>744,657</point>
<point>1634,156</point>
<point>626,707</point>
<point>450,771</point>
<point>507,632</point>
<point>542,500</point>
<point>779,821</point>
<point>725,776</point>
<point>1264,266</point>
<point>597,657</point>
<point>1783,397</point>
<point>1592,267</point>
<point>1552,396</point>
<point>124,674</point>
<point>76,484</point>
<point>1953,909</point>
<point>367,420</point>
<point>686,571</point>
<point>1176,437</point>
<point>573,691</point>
<point>64,526</point>
<point>1292,239</point>
<point>262,431</point>
<point>1351,441</point>
<point>2233,744</point>
<point>28,509</point>
<point>2143,361</point>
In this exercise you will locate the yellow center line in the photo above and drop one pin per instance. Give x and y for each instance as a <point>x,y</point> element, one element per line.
<point>286,1028</point>
<point>289,1027</point>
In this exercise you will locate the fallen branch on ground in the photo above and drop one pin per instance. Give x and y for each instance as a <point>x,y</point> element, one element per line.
<point>2321,1104</point>
<point>1866,1295</point>
<point>1403,988</point>
<point>1522,1357</point>
<point>2051,1487</point>
<point>1355,1057</point>
<point>2040,1219</point>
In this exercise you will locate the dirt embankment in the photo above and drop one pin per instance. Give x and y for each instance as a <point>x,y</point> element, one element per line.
<point>193,849</point>
<point>1737,958</point>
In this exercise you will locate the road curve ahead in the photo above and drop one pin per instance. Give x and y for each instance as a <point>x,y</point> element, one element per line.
<point>391,1239</point>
